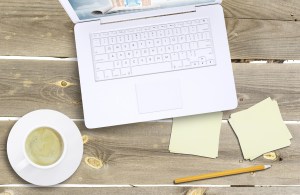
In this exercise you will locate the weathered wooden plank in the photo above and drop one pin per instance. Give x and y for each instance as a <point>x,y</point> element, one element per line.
<point>138,154</point>
<point>154,191</point>
<point>29,85</point>
<point>253,33</point>
<point>266,10</point>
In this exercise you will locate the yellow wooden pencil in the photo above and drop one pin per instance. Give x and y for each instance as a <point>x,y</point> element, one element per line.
<point>222,174</point>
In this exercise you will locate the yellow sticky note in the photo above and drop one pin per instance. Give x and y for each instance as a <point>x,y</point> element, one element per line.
<point>197,135</point>
<point>260,129</point>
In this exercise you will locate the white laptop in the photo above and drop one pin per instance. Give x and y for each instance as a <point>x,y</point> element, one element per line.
<point>144,60</point>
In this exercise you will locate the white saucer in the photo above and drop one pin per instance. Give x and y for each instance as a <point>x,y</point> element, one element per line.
<point>61,123</point>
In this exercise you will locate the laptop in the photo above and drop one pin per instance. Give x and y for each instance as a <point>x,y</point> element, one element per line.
<point>145,60</point>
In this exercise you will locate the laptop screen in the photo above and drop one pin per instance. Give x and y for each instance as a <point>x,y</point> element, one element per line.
<point>90,9</point>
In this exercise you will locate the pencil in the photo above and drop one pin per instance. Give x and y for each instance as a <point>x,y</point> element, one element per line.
<point>222,174</point>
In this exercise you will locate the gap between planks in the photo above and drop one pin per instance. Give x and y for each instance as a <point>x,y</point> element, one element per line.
<point>75,59</point>
<point>134,186</point>
<point>156,121</point>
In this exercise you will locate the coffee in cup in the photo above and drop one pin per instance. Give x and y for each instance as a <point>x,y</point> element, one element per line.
<point>44,146</point>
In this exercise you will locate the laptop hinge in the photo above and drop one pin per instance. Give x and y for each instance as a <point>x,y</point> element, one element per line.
<point>147,14</point>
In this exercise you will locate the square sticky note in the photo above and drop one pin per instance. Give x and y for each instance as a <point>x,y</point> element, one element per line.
<point>196,135</point>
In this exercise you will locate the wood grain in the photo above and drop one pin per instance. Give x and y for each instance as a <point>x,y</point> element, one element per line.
<point>257,29</point>
<point>29,85</point>
<point>153,191</point>
<point>138,154</point>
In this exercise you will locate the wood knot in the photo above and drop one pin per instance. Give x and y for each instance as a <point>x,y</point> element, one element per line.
<point>196,191</point>
<point>270,156</point>
<point>94,162</point>
<point>85,139</point>
<point>63,84</point>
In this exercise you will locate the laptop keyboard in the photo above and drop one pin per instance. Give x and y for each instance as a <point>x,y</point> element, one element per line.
<point>152,49</point>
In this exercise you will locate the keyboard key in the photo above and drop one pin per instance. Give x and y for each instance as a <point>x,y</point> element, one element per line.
<point>104,41</point>
<point>125,71</point>
<point>204,44</point>
<point>104,34</point>
<point>203,27</point>
<point>101,58</point>
<point>137,53</point>
<point>161,50</point>
<point>112,56</point>
<point>117,48</point>
<point>181,39</point>
<point>210,62</point>
<point>100,75</point>
<point>149,43</point>
<point>109,49</point>
<point>112,40</point>
<point>177,48</point>
<point>105,66</point>
<point>185,30</point>
<point>169,48</point>
<point>99,50</point>
<point>166,41</point>
<point>108,74</point>
<point>125,46</point>
<point>96,36</point>
<point>129,54</point>
<point>120,39</point>
<point>176,31</point>
<point>145,52</point>
<point>133,45</point>
<point>96,42</point>
<point>144,36</point>
<point>142,61</point>
<point>128,38</point>
<point>116,72</point>
<point>136,37</point>
<point>169,32</point>
<point>142,44</point>
<point>193,29</point>
<point>150,59</point>
<point>121,55</point>
<point>158,58</point>
<point>185,47</point>
<point>157,42</point>
<point>193,45</point>
<point>166,58</point>
<point>134,62</point>
<point>176,64</point>
<point>174,56</point>
<point>153,51</point>
<point>118,64</point>
<point>160,33</point>
<point>186,63</point>
<point>125,63</point>
<point>152,35</point>
<point>206,35</point>
<point>173,40</point>
<point>195,63</point>
<point>182,55</point>
<point>152,68</point>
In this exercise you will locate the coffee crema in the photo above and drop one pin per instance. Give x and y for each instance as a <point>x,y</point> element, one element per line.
<point>44,146</point>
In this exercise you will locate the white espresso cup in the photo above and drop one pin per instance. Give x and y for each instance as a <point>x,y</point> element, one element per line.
<point>43,143</point>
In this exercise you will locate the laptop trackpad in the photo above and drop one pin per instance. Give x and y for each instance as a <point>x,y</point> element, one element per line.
<point>158,96</point>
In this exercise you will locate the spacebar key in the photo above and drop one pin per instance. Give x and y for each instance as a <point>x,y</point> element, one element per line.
<point>151,68</point>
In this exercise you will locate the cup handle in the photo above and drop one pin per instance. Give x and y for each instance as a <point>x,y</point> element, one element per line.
<point>22,165</point>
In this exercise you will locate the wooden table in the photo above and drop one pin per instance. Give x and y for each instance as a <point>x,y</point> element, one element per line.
<point>135,158</point>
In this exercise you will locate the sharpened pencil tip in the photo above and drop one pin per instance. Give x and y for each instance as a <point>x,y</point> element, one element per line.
<point>268,166</point>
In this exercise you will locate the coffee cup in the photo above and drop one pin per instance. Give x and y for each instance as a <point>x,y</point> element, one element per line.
<point>43,148</point>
